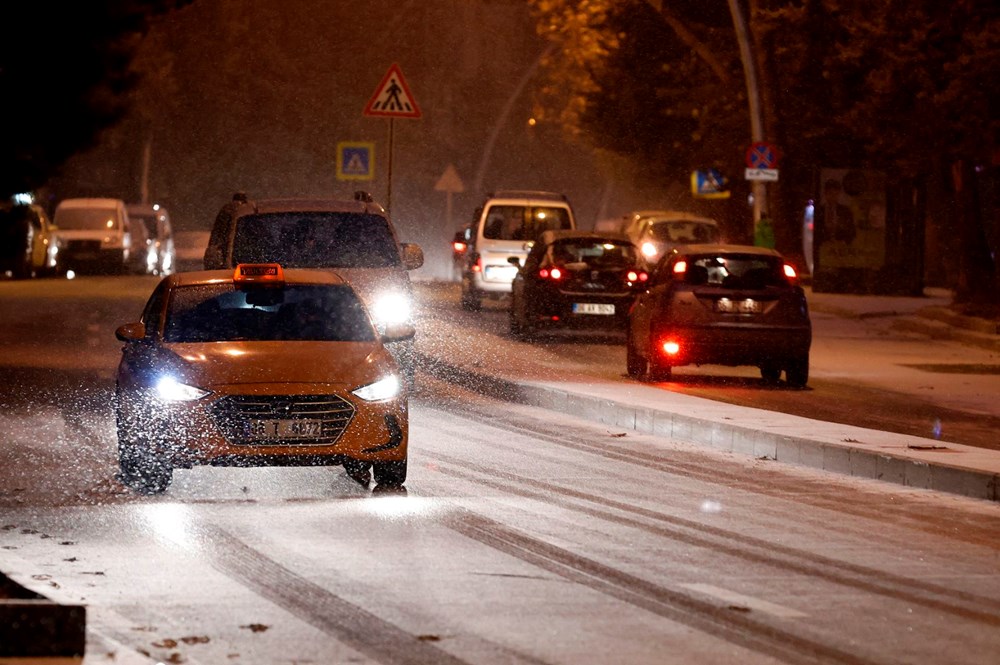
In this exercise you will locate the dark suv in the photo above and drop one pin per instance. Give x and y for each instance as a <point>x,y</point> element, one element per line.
<point>354,237</point>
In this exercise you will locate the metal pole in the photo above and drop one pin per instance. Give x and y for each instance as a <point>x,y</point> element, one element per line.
<point>753,95</point>
<point>388,196</point>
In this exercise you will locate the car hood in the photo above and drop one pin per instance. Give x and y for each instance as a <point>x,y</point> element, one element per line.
<point>347,364</point>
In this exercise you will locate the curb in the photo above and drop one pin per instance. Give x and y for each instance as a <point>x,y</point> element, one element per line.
<point>932,323</point>
<point>863,454</point>
<point>32,626</point>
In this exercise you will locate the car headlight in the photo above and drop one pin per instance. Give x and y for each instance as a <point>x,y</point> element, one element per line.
<point>391,308</point>
<point>383,389</point>
<point>172,390</point>
<point>649,249</point>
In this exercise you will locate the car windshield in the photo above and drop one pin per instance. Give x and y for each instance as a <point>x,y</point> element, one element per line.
<point>315,240</point>
<point>594,254</point>
<point>89,219</point>
<point>684,231</point>
<point>222,312</point>
<point>515,222</point>
<point>736,271</point>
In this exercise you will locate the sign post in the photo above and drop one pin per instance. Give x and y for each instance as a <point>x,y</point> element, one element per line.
<point>450,183</point>
<point>392,99</point>
<point>762,166</point>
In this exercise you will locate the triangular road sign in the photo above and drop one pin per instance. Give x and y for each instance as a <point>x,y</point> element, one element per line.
<point>392,98</point>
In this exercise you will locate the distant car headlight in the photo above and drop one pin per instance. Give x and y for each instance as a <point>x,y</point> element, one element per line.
<point>391,308</point>
<point>383,389</point>
<point>649,249</point>
<point>172,390</point>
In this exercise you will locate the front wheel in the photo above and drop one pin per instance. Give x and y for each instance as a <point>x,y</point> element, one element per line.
<point>142,470</point>
<point>391,474</point>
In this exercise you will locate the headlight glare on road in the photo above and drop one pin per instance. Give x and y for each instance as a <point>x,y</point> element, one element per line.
<point>172,390</point>
<point>383,389</point>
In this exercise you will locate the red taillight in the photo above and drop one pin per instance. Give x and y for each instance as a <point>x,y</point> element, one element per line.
<point>459,246</point>
<point>670,347</point>
<point>680,267</point>
<point>790,272</point>
<point>636,276</point>
<point>477,263</point>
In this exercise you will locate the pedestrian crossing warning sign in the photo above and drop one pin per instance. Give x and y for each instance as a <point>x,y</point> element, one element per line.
<point>355,161</point>
<point>392,98</point>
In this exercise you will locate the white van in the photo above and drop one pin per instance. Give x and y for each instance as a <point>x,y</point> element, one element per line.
<point>93,234</point>
<point>505,228</point>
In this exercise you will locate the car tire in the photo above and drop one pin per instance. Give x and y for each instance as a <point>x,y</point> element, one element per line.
<point>471,302</point>
<point>797,371</point>
<point>636,366</point>
<point>659,372</point>
<point>770,372</point>
<point>390,474</point>
<point>359,471</point>
<point>138,466</point>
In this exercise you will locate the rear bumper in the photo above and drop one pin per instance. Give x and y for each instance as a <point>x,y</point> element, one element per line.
<point>732,345</point>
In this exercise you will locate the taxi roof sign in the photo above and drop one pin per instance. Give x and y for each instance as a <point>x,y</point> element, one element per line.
<point>256,273</point>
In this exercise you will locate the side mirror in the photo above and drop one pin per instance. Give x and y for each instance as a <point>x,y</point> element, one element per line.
<point>398,332</point>
<point>413,256</point>
<point>131,332</point>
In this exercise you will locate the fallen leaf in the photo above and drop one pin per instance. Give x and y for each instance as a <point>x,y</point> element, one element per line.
<point>196,639</point>
<point>256,627</point>
<point>429,638</point>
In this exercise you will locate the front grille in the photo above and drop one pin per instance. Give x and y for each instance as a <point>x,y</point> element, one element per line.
<point>235,415</point>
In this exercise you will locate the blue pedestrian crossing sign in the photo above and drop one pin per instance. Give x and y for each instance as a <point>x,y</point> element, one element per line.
<point>709,184</point>
<point>355,161</point>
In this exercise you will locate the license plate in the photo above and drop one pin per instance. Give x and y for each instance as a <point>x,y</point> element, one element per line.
<point>505,273</point>
<point>263,430</point>
<point>593,308</point>
<point>746,306</point>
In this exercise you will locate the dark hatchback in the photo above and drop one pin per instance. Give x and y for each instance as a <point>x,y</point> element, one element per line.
<point>575,279</point>
<point>721,305</point>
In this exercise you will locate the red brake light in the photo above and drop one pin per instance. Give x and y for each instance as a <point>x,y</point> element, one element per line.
<point>477,264</point>
<point>459,246</point>
<point>790,272</point>
<point>680,267</point>
<point>670,347</point>
<point>555,273</point>
<point>544,273</point>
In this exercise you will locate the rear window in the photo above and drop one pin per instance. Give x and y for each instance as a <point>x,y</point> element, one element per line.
<point>86,219</point>
<point>315,240</point>
<point>595,254</point>
<point>684,232</point>
<point>515,222</point>
<point>222,313</point>
<point>736,271</point>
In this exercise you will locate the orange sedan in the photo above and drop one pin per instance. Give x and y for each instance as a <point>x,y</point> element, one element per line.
<point>258,367</point>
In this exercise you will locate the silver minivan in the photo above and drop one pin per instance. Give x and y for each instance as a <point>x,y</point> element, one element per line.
<point>503,230</point>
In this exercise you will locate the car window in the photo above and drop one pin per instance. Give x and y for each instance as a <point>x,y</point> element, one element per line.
<point>736,271</point>
<point>221,312</point>
<point>683,232</point>
<point>315,240</point>
<point>517,222</point>
<point>89,219</point>
<point>595,254</point>
<point>152,313</point>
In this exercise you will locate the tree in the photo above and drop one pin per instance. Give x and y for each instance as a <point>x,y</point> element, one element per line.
<point>66,69</point>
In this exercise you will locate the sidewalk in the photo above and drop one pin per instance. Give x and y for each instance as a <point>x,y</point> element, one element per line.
<point>897,458</point>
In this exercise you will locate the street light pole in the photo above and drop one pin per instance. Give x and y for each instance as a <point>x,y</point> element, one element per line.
<point>753,96</point>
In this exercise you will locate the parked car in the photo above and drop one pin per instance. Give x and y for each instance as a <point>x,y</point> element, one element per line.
<point>260,366</point>
<point>460,250</point>
<point>354,237</point>
<point>505,227</point>
<point>160,252</point>
<point>655,233</point>
<point>27,242</point>
<point>575,279</point>
<point>94,233</point>
<point>721,305</point>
